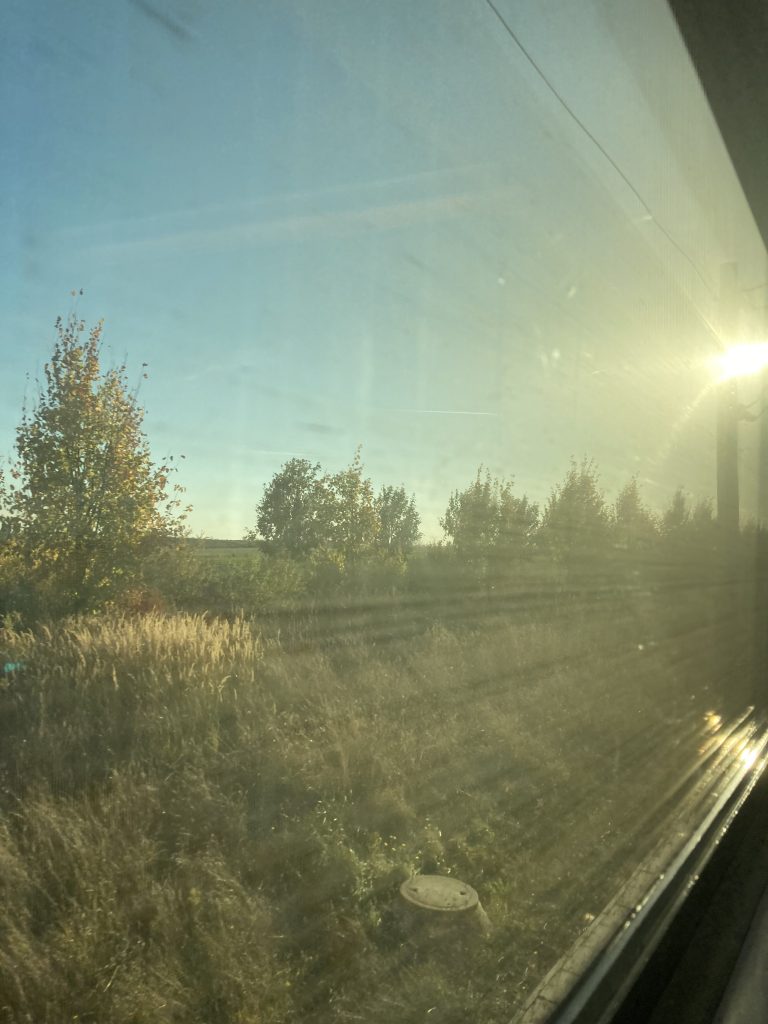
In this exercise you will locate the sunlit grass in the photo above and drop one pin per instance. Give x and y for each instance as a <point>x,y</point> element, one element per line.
<point>204,823</point>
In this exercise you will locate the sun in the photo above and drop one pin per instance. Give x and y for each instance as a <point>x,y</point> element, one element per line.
<point>741,360</point>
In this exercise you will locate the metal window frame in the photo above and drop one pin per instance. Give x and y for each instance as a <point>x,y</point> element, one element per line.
<point>613,973</point>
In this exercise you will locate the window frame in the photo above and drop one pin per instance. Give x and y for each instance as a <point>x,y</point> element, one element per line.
<point>619,968</point>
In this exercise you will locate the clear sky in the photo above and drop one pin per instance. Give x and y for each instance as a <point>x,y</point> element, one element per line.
<point>325,223</point>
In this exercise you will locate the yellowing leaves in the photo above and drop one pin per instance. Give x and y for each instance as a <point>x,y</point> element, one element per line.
<point>87,494</point>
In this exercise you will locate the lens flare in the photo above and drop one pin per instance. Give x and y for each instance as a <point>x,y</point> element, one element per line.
<point>741,360</point>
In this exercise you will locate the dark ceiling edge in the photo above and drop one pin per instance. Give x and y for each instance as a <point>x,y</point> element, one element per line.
<point>728,44</point>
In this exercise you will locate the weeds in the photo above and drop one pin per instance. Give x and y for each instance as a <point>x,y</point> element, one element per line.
<point>202,823</point>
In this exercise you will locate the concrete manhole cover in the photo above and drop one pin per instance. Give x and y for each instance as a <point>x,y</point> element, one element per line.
<point>436,892</point>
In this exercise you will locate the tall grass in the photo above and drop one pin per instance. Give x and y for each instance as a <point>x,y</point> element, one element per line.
<point>204,821</point>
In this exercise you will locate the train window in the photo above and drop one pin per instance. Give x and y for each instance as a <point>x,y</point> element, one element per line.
<point>381,502</point>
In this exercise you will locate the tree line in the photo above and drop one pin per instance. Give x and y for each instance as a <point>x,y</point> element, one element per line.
<point>87,518</point>
<point>304,512</point>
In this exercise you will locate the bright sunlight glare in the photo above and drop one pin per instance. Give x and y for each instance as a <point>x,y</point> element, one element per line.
<point>741,360</point>
<point>749,756</point>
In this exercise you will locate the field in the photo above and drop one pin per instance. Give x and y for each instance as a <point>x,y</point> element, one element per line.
<point>208,819</point>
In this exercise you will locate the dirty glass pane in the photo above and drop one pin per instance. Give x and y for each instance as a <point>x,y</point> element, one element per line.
<point>435,311</point>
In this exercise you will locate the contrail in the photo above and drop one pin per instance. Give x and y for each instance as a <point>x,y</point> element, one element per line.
<point>278,199</point>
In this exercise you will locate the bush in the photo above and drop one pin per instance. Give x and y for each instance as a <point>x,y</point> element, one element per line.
<point>189,580</point>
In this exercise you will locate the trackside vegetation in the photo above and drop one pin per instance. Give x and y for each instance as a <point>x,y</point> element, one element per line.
<point>218,762</point>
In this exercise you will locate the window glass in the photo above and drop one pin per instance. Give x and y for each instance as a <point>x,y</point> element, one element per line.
<point>447,318</point>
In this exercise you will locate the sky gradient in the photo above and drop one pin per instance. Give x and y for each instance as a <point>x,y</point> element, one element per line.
<point>325,224</point>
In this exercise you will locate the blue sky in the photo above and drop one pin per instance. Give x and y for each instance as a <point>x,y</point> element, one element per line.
<point>347,222</point>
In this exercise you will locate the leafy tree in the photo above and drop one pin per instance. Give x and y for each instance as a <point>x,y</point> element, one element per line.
<point>486,518</point>
<point>290,513</point>
<point>471,518</point>
<point>635,545</point>
<point>575,522</point>
<point>302,512</point>
<point>703,520</point>
<point>399,521</point>
<point>692,525</point>
<point>518,519</point>
<point>696,559</point>
<point>350,524</point>
<point>635,527</point>
<point>677,515</point>
<point>84,498</point>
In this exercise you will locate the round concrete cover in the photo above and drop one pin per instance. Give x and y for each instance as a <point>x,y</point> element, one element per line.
<point>436,892</point>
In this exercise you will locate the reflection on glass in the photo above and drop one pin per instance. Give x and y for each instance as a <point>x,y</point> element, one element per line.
<point>429,296</point>
<point>749,756</point>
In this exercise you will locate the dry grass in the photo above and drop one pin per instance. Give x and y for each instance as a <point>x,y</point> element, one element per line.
<point>201,825</point>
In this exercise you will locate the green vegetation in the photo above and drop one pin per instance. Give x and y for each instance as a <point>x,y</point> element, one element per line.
<point>219,760</point>
<point>200,823</point>
<point>83,499</point>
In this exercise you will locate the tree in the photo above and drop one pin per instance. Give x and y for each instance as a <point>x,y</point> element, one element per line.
<point>635,543</point>
<point>471,518</point>
<point>350,524</point>
<point>518,519</point>
<point>84,497</point>
<point>575,523</point>
<point>634,525</point>
<point>399,521</point>
<point>302,512</point>
<point>289,515</point>
<point>703,521</point>
<point>690,539</point>
<point>677,516</point>
<point>488,519</point>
